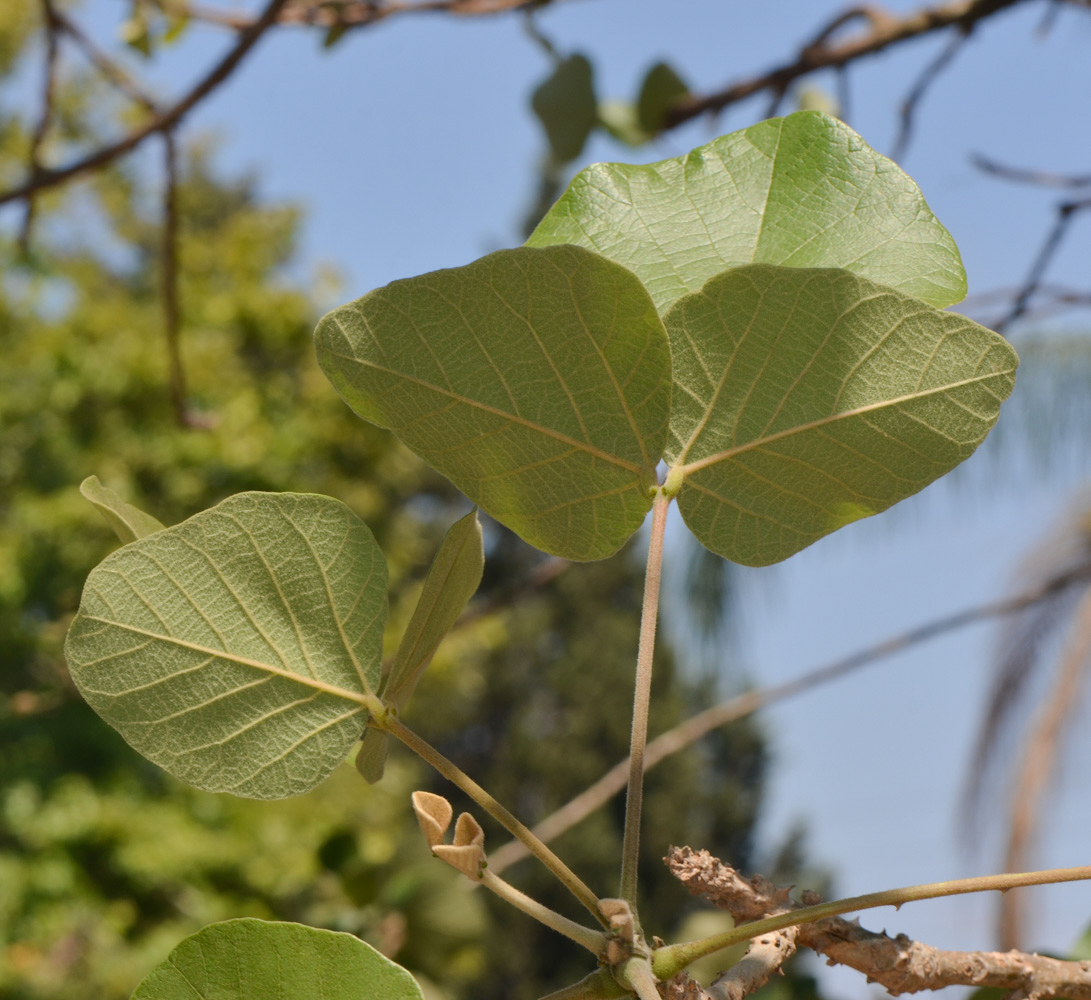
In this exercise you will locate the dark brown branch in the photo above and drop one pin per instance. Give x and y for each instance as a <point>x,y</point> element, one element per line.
<point>899,964</point>
<point>884,31</point>
<point>699,725</point>
<point>171,313</point>
<point>164,122</point>
<point>1066,212</point>
<point>41,130</point>
<point>928,76</point>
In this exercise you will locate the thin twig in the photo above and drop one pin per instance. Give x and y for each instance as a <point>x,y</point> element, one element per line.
<point>347,13</point>
<point>1040,178</point>
<point>164,122</point>
<point>886,30</point>
<point>928,76</point>
<point>107,67</point>
<point>169,263</point>
<point>1066,212</point>
<point>45,119</point>
<point>697,726</point>
<point>898,964</point>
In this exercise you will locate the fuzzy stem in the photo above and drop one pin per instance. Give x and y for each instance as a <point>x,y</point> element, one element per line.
<point>649,613</point>
<point>594,941</point>
<point>637,974</point>
<point>453,773</point>
<point>670,960</point>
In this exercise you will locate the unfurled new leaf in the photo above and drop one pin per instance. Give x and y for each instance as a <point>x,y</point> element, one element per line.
<point>255,959</point>
<point>452,580</point>
<point>536,380</point>
<point>128,522</point>
<point>806,399</point>
<point>800,191</point>
<point>237,649</point>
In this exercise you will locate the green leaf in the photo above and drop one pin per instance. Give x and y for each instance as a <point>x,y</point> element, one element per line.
<point>237,649</point>
<point>565,104</point>
<point>802,191</point>
<point>806,399</point>
<point>249,959</point>
<point>661,90</point>
<point>452,580</point>
<point>619,118</point>
<point>537,381</point>
<point>129,522</point>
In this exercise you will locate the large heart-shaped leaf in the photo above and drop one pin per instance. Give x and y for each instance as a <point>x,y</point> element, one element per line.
<point>808,398</point>
<point>801,191</point>
<point>237,649</point>
<point>537,381</point>
<point>262,960</point>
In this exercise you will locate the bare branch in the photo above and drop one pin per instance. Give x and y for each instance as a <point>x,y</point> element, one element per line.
<point>899,964</point>
<point>45,119</point>
<point>1041,178</point>
<point>928,76</point>
<point>697,726</point>
<point>1066,212</point>
<point>348,13</point>
<point>171,313</point>
<point>884,31</point>
<point>164,122</point>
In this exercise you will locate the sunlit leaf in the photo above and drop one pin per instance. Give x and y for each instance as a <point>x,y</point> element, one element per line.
<point>537,381</point>
<point>565,104</point>
<point>250,959</point>
<point>236,649</point>
<point>802,191</point>
<point>807,399</point>
<point>660,90</point>
<point>128,522</point>
<point>452,580</point>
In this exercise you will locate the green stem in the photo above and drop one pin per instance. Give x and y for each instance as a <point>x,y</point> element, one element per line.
<point>637,974</point>
<point>649,613</point>
<point>453,773</point>
<point>669,961</point>
<point>594,941</point>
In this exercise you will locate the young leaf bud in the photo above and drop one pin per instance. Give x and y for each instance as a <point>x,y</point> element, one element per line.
<point>434,814</point>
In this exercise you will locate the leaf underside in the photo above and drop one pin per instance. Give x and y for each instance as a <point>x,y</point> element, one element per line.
<point>236,649</point>
<point>808,398</point>
<point>255,959</point>
<point>800,191</point>
<point>128,522</point>
<point>536,380</point>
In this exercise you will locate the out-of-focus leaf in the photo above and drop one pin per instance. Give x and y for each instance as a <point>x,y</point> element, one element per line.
<point>661,89</point>
<point>237,649</point>
<point>565,104</point>
<point>250,959</point>
<point>128,522</point>
<point>801,191</point>
<point>809,398</point>
<point>537,381</point>
<point>334,35</point>
<point>619,118</point>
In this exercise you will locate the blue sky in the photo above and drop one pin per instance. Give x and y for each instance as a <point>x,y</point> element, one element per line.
<point>410,147</point>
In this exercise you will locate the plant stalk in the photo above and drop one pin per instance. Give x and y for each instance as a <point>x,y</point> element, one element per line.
<point>453,773</point>
<point>594,941</point>
<point>669,961</point>
<point>642,696</point>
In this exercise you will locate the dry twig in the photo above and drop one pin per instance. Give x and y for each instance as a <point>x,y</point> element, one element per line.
<point>899,964</point>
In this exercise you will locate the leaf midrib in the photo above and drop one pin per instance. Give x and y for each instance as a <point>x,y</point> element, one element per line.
<point>219,654</point>
<point>729,453</point>
<point>583,446</point>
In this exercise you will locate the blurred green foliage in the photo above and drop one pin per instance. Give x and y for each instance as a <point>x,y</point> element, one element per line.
<point>105,863</point>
